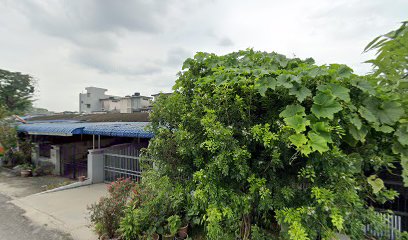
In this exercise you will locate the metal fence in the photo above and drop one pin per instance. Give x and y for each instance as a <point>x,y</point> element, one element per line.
<point>122,162</point>
<point>393,222</point>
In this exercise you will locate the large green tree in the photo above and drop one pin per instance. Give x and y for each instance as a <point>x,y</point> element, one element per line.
<point>277,146</point>
<point>16,92</point>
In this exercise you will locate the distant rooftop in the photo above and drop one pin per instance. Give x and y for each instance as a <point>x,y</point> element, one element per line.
<point>108,117</point>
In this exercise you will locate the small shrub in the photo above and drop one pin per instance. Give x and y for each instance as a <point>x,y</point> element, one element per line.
<point>174,223</point>
<point>106,214</point>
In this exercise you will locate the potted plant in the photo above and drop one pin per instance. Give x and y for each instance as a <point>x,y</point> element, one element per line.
<point>183,232</point>
<point>26,170</point>
<point>155,236</point>
<point>174,222</point>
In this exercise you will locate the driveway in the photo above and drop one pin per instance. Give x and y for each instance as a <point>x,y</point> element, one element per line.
<point>64,210</point>
<point>61,215</point>
<point>15,227</point>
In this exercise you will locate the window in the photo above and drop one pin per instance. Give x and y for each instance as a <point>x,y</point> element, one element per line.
<point>88,105</point>
<point>88,94</point>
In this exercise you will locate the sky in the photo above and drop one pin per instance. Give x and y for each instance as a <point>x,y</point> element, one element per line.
<point>132,46</point>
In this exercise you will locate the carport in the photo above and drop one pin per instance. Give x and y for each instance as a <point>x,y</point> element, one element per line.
<point>70,143</point>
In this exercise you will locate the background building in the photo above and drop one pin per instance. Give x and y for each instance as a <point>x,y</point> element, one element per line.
<point>95,100</point>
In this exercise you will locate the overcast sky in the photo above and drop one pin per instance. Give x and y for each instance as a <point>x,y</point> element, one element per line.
<point>132,46</point>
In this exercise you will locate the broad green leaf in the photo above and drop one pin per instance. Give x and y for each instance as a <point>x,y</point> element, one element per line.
<point>322,129</point>
<point>386,112</point>
<point>398,148</point>
<point>402,134</point>
<point>376,183</point>
<point>298,139</point>
<point>292,110</point>
<point>358,134</point>
<point>325,106</point>
<point>317,142</point>
<point>297,122</point>
<point>345,72</point>
<point>301,92</point>
<point>383,128</point>
<point>264,84</point>
<point>390,112</point>
<point>364,86</point>
<point>337,91</point>
<point>306,149</point>
<point>367,115</point>
<point>315,72</point>
<point>356,121</point>
<point>283,80</point>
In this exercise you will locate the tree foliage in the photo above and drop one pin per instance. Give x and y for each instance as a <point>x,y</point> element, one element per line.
<point>16,92</point>
<point>276,146</point>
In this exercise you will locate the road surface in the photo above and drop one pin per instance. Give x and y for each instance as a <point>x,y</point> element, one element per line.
<point>14,226</point>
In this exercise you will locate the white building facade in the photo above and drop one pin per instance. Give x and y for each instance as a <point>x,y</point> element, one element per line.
<point>96,101</point>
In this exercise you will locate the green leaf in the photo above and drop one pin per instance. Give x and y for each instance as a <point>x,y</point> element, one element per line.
<point>298,139</point>
<point>317,142</point>
<point>383,128</point>
<point>388,112</point>
<point>337,91</point>
<point>344,71</point>
<point>325,106</point>
<point>315,72</point>
<point>301,92</point>
<point>358,134</point>
<point>264,84</point>
<point>292,110</point>
<point>283,80</point>
<point>322,129</point>
<point>297,122</point>
<point>356,121</point>
<point>376,183</point>
<point>364,86</point>
<point>367,115</point>
<point>402,134</point>
<point>368,47</point>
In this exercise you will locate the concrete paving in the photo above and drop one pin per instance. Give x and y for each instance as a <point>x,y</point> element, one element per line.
<point>54,215</point>
<point>17,187</point>
<point>13,226</point>
<point>64,210</point>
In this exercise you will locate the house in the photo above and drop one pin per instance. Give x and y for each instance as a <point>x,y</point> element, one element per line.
<point>96,101</point>
<point>101,151</point>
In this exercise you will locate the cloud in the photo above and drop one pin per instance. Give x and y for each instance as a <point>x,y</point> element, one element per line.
<point>106,63</point>
<point>225,42</point>
<point>176,56</point>
<point>141,45</point>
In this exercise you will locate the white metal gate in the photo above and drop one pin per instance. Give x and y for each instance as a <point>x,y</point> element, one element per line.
<point>123,163</point>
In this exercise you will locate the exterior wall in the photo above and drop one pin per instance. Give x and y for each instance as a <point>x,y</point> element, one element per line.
<point>90,101</point>
<point>140,102</point>
<point>110,105</point>
<point>145,102</point>
<point>95,100</point>
<point>95,166</point>
<point>126,105</point>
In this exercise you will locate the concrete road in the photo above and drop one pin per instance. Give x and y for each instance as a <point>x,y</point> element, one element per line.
<point>64,210</point>
<point>14,226</point>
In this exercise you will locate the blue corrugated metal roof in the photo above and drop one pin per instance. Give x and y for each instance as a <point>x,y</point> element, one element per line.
<point>59,129</point>
<point>116,129</point>
<point>119,129</point>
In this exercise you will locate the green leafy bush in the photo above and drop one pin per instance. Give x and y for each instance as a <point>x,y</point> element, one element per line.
<point>157,201</point>
<point>106,214</point>
<point>277,146</point>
